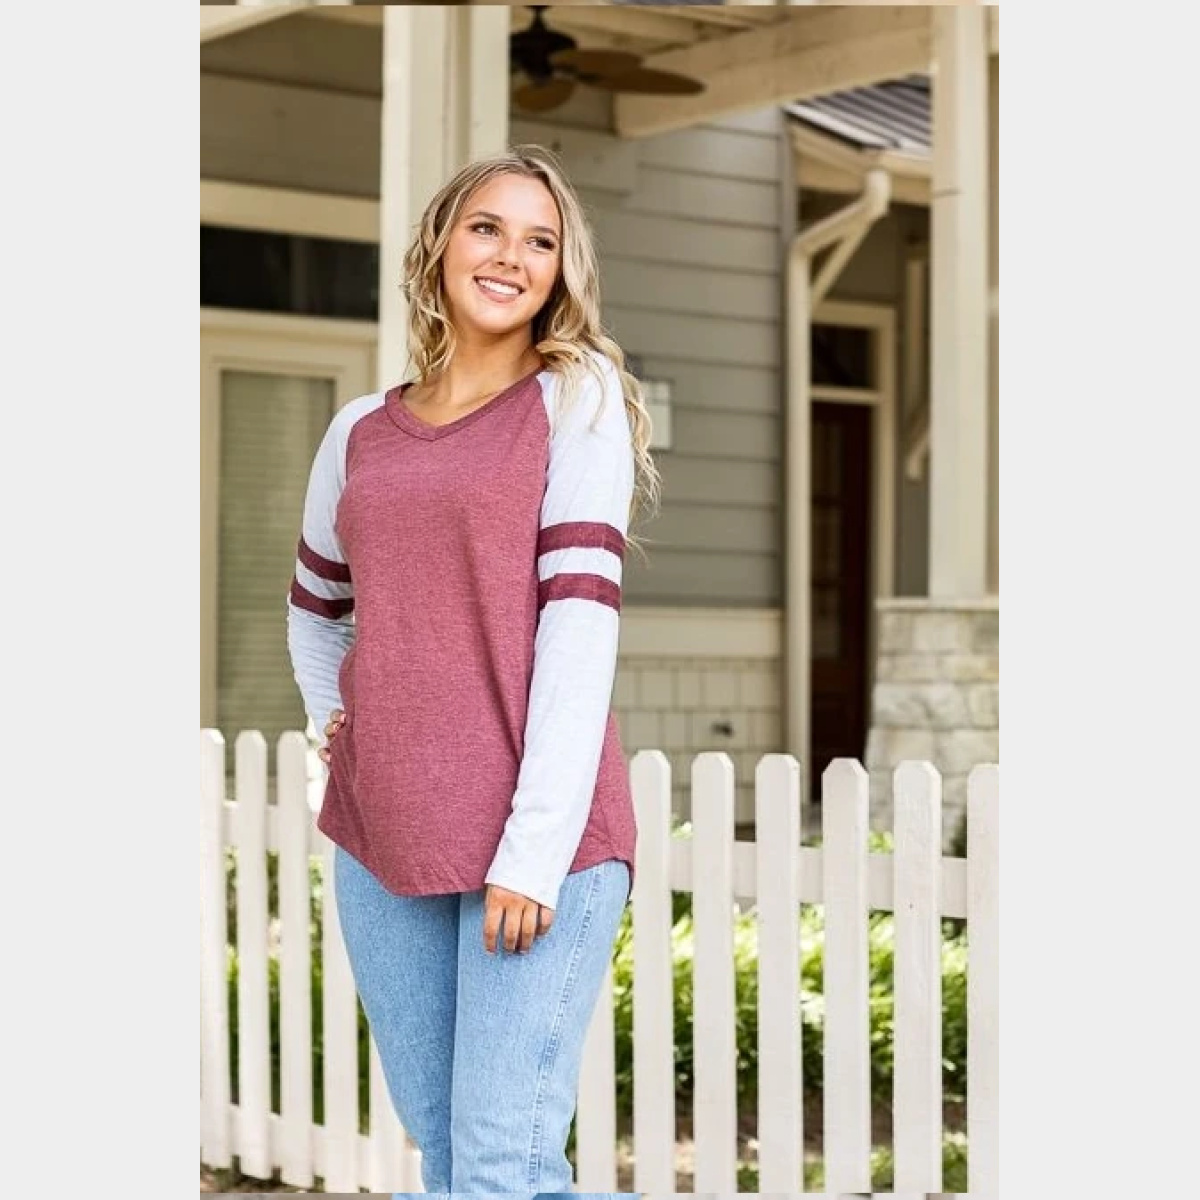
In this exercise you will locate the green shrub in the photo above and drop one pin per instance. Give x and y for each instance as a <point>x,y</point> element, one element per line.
<point>883,1168</point>
<point>812,1001</point>
<point>316,924</point>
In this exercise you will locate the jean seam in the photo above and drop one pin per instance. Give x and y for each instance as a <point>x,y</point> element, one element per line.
<point>549,1054</point>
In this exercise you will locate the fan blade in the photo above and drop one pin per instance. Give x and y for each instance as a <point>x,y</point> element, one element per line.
<point>649,82</point>
<point>541,97</point>
<point>587,63</point>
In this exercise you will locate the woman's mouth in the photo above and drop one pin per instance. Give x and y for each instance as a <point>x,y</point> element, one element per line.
<point>496,292</point>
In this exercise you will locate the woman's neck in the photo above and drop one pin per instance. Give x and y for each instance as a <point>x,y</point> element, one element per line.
<point>471,376</point>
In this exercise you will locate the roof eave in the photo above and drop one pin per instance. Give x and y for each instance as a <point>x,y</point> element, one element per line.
<point>846,165</point>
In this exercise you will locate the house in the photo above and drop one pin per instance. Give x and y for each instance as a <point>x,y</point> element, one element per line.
<point>800,260</point>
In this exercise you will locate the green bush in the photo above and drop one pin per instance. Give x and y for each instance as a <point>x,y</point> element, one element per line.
<point>812,1001</point>
<point>883,1167</point>
<point>316,924</point>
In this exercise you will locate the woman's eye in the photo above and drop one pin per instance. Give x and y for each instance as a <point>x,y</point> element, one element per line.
<point>543,243</point>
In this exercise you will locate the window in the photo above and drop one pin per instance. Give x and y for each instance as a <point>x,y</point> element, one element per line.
<point>841,356</point>
<point>287,273</point>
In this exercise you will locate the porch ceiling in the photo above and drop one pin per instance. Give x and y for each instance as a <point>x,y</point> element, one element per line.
<point>640,30</point>
<point>749,56</point>
<point>221,20</point>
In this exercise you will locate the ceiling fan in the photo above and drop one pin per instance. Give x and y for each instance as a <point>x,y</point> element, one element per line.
<point>554,65</point>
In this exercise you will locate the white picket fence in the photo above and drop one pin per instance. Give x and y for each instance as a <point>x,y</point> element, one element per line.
<point>915,882</point>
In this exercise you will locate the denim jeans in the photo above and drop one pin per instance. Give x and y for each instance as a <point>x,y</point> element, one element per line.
<point>481,1051</point>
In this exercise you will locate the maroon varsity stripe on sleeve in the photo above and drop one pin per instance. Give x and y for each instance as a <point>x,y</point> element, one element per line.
<point>581,535</point>
<point>301,597</point>
<point>335,572</point>
<point>564,586</point>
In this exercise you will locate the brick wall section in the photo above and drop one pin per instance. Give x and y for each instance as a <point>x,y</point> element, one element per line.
<point>680,706</point>
<point>936,697</point>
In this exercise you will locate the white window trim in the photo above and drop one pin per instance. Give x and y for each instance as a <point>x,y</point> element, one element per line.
<point>343,351</point>
<point>288,210</point>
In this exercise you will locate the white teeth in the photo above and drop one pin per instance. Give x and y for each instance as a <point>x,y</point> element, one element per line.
<point>498,288</point>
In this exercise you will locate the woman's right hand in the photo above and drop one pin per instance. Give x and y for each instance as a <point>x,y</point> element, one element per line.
<point>337,719</point>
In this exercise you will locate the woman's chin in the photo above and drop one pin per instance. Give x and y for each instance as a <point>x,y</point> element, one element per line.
<point>494,322</point>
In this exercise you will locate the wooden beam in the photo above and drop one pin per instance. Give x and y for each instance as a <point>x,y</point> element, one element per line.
<point>819,50</point>
<point>810,141</point>
<point>728,17</point>
<point>818,176</point>
<point>220,20</point>
<point>828,164</point>
<point>654,24</point>
<point>353,14</point>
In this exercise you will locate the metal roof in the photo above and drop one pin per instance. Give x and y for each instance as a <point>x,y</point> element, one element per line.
<point>883,116</point>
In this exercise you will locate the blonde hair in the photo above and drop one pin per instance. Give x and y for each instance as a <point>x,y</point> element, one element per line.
<point>566,328</point>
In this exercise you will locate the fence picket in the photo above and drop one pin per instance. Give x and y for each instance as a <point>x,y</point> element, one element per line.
<point>917,987</point>
<point>714,1040</point>
<point>983,981</point>
<point>254,1011</point>
<point>340,1025</point>
<point>216,1142</point>
<point>596,1125</point>
<point>780,1088</point>
<point>293,819</point>
<point>386,1141</point>
<point>654,1114</point>
<point>847,1090</point>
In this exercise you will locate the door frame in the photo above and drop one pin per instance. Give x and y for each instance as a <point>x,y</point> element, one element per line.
<point>880,321</point>
<point>278,344</point>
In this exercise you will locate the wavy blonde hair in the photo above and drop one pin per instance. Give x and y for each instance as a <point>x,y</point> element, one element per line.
<point>566,328</point>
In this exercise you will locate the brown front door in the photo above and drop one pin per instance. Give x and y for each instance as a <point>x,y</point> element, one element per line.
<point>841,548</point>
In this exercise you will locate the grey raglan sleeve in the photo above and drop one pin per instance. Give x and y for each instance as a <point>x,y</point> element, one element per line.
<point>320,601</point>
<point>581,547</point>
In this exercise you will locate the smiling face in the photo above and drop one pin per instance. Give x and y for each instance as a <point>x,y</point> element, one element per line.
<point>510,234</point>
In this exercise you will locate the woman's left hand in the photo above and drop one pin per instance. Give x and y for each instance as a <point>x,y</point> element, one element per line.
<point>524,919</point>
<point>337,719</point>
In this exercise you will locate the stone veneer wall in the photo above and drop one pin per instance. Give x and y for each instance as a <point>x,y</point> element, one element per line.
<point>935,697</point>
<point>681,705</point>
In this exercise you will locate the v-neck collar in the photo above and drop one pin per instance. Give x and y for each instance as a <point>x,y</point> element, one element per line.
<point>406,419</point>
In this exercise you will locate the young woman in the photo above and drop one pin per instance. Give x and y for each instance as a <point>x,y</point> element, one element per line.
<point>453,629</point>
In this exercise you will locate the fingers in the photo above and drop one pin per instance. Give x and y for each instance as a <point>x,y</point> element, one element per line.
<point>527,930</point>
<point>493,914</point>
<point>337,718</point>
<point>513,921</point>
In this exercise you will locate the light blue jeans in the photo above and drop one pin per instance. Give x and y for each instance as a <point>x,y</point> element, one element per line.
<point>481,1051</point>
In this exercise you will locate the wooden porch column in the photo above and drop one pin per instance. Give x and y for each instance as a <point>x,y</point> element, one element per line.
<point>958,476</point>
<point>445,103</point>
<point>993,580</point>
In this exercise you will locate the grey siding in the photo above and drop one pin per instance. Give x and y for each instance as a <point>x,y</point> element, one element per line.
<point>691,284</point>
<point>280,135</point>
